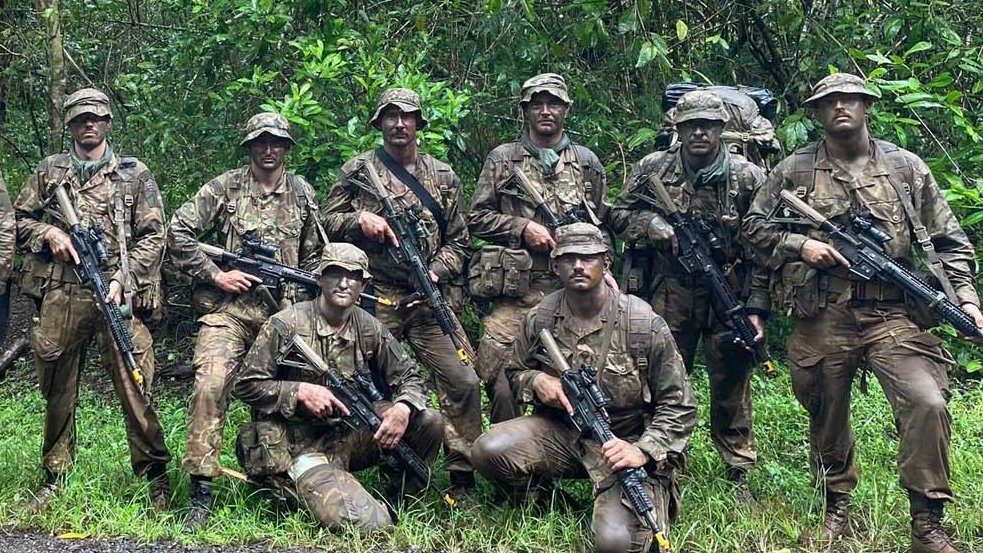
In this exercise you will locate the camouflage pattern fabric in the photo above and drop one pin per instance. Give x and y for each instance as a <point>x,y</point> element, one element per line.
<point>8,236</point>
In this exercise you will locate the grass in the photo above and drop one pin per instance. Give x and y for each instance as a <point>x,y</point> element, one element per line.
<point>102,498</point>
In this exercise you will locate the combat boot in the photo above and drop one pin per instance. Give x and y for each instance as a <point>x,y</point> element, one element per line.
<point>49,489</point>
<point>160,487</point>
<point>836,522</point>
<point>742,489</point>
<point>201,503</point>
<point>927,534</point>
<point>461,494</point>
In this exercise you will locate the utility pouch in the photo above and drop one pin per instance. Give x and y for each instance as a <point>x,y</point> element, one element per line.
<point>497,271</point>
<point>35,276</point>
<point>262,448</point>
<point>637,271</point>
<point>798,290</point>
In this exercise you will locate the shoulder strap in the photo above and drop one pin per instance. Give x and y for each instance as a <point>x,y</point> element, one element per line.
<point>547,311</point>
<point>417,187</point>
<point>124,206</point>
<point>614,320</point>
<point>803,173</point>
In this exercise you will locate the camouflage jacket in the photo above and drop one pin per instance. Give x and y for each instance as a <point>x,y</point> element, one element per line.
<point>351,194</point>
<point>833,192</point>
<point>643,375</point>
<point>271,390</point>
<point>235,204</point>
<point>634,210</point>
<point>8,236</point>
<point>501,209</point>
<point>124,183</point>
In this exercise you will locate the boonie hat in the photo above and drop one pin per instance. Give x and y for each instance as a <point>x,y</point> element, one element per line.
<point>582,238</point>
<point>86,100</point>
<point>700,104</point>
<point>270,123</point>
<point>344,255</point>
<point>406,100</point>
<point>550,83</point>
<point>843,83</point>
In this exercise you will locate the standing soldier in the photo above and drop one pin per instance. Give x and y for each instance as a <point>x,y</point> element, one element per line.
<point>708,183</point>
<point>119,195</point>
<point>652,409</point>
<point>514,273</point>
<point>352,213</point>
<point>297,443</point>
<point>842,322</point>
<point>259,201</point>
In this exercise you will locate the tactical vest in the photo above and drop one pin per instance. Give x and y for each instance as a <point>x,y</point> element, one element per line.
<point>571,195</point>
<point>234,199</point>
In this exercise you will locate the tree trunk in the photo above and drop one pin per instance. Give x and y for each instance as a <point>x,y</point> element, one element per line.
<point>48,9</point>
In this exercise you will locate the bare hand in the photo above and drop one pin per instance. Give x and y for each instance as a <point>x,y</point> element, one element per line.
<point>759,326</point>
<point>433,277</point>
<point>549,390</point>
<point>61,245</point>
<point>661,231</point>
<point>319,401</point>
<point>974,312</point>
<point>538,237</point>
<point>115,292</point>
<point>394,423</point>
<point>821,255</point>
<point>376,228</point>
<point>619,454</point>
<point>235,281</point>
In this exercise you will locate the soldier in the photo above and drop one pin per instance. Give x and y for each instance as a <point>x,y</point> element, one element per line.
<point>120,195</point>
<point>841,322</point>
<point>514,273</point>
<point>652,408</point>
<point>351,213</point>
<point>296,442</point>
<point>704,181</point>
<point>261,201</point>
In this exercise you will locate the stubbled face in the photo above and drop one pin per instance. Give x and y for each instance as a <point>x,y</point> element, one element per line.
<point>340,287</point>
<point>841,113</point>
<point>546,114</point>
<point>89,130</point>
<point>580,272</point>
<point>267,152</point>
<point>398,127</point>
<point>700,138</point>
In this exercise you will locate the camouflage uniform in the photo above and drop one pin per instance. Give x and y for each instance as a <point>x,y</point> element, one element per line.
<point>684,300</point>
<point>123,199</point>
<point>841,323</point>
<point>235,204</point>
<point>8,237</point>
<point>312,459</point>
<point>652,406</point>
<point>499,214</point>
<point>457,384</point>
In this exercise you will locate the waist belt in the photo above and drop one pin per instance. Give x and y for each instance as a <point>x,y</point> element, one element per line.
<point>862,290</point>
<point>62,272</point>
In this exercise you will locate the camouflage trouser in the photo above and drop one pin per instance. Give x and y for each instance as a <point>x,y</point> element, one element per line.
<point>525,452</point>
<point>495,349</point>
<point>689,314</point>
<point>824,353</point>
<point>222,343</point>
<point>457,384</point>
<point>323,479</point>
<point>68,321</point>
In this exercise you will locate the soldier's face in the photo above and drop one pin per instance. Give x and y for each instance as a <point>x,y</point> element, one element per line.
<point>90,130</point>
<point>398,127</point>
<point>580,272</point>
<point>341,287</point>
<point>842,113</point>
<point>546,114</point>
<point>268,152</point>
<point>700,137</point>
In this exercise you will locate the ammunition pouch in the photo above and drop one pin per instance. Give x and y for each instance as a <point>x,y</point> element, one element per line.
<point>496,271</point>
<point>35,276</point>
<point>263,448</point>
<point>798,290</point>
<point>636,272</point>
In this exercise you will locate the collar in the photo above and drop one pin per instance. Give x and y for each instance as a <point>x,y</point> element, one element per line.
<point>875,167</point>
<point>256,188</point>
<point>324,329</point>
<point>609,310</point>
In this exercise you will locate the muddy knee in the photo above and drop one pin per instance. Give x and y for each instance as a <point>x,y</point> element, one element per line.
<point>335,497</point>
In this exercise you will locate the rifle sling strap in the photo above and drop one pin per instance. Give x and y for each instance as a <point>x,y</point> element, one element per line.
<point>417,187</point>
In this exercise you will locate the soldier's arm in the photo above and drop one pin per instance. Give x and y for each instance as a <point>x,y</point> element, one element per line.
<point>29,210</point>
<point>631,215</point>
<point>950,241</point>
<point>759,301</point>
<point>453,253</point>
<point>338,216</point>
<point>256,383</point>
<point>188,222</point>
<point>673,404</point>
<point>401,374</point>
<point>145,253</point>
<point>523,367</point>
<point>772,243</point>
<point>8,236</point>
<point>312,237</point>
<point>486,220</point>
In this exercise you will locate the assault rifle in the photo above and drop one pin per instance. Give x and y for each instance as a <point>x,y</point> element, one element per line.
<point>591,418</point>
<point>259,259</point>
<point>92,256</point>
<point>863,247</point>
<point>357,397</point>
<point>697,244</point>
<point>408,227</point>
<point>552,221</point>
